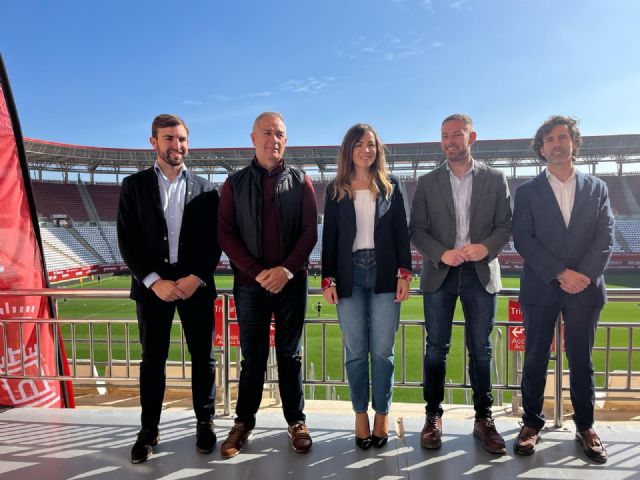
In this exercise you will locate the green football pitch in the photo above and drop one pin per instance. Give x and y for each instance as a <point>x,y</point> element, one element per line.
<point>80,308</point>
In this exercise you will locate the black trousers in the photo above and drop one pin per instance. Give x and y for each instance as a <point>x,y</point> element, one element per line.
<point>254,307</point>
<point>154,320</point>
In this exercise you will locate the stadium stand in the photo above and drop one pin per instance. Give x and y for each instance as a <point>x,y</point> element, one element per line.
<point>105,200</point>
<point>67,251</point>
<point>630,230</point>
<point>112,238</point>
<point>59,199</point>
<point>93,237</point>
<point>616,194</point>
<point>320,189</point>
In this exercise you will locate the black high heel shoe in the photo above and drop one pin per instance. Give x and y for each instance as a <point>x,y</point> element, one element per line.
<point>364,443</point>
<point>379,442</point>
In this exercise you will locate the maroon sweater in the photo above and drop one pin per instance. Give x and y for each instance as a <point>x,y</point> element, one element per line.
<point>229,239</point>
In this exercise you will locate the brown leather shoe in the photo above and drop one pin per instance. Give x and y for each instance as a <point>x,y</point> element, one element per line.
<point>237,437</point>
<point>431,436</point>
<point>485,430</point>
<point>526,441</point>
<point>300,437</point>
<point>592,445</point>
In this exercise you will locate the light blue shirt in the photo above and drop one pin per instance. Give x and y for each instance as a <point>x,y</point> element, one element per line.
<point>461,191</point>
<point>172,195</point>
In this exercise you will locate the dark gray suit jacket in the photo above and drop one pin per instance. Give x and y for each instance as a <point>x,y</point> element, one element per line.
<point>548,246</point>
<point>433,223</point>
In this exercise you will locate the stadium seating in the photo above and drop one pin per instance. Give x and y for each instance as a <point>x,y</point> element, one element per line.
<point>62,250</point>
<point>616,194</point>
<point>105,200</point>
<point>94,238</point>
<point>59,199</point>
<point>630,230</point>
<point>112,238</point>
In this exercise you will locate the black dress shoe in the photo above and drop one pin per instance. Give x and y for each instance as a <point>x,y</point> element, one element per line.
<point>363,443</point>
<point>142,449</point>
<point>379,442</point>
<point>205,437</point>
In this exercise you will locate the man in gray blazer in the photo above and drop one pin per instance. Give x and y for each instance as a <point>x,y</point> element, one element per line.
<point>563,228</point>
<point>460,221</point>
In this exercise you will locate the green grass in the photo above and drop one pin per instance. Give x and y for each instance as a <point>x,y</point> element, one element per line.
<point>412,309</point>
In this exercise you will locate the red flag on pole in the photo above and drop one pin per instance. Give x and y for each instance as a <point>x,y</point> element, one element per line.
<point>30,349</point>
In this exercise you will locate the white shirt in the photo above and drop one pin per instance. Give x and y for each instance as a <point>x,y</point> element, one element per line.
<point>172,195</point>
<point>365,206</point>
<point>565,193</point>
<point>461,188</point>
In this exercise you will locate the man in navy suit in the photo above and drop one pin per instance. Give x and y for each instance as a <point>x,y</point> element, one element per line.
<point>563,228</point>
<point>167,237</point>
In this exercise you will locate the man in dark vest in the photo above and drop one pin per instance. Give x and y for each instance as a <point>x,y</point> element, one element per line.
<point>268,227</point>
<point>167,237</point>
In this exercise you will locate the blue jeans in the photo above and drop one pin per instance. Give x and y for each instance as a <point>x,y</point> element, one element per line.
<point>580,323</point>
<point>254,307</point>
<point>369,322</point>
<point>479,309</point>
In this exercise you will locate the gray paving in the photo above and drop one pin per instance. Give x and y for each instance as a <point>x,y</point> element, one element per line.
<point>94,443</point>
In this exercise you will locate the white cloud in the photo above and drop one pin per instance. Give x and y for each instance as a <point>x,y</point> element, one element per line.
<point>392,48</point>
<point>259,94</point>
<point>194,103</point>
<point>427,5</point>
<point>309,85</point>
<point>458,4</point>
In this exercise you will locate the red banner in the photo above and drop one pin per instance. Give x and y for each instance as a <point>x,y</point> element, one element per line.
<point>234,330</point>
<point>516,334</point>
<point>28,348</point>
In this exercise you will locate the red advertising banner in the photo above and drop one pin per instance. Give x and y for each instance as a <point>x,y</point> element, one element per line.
<point>515,334</point>
<point>25,347</point>
<point>234,330</point>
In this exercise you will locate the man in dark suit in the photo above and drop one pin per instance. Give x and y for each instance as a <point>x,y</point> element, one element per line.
<point>460,221</point>
<point>167,237</point>
<point>563,228</point>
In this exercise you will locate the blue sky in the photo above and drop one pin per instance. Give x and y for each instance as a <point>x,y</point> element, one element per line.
<point>97,72</point>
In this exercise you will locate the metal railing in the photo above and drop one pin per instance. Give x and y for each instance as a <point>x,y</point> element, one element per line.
<point>116,367</point>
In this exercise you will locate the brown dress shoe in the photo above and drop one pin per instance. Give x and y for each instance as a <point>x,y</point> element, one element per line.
<point>592,445</point>
<point>431,436</point>
<point>485,430</point>
<point>526,441</point>
<point>237,437</point>
<point>300,437</point>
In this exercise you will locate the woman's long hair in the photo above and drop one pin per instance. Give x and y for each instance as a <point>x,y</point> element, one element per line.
<point>380,183</point>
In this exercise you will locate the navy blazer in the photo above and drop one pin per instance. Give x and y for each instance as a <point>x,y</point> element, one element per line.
<point>391,239</point>
<point>143,236</point>
<point>548,246</point>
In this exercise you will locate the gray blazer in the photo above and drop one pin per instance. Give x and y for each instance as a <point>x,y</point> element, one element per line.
<point>548,246</point>
<point>433,223</point>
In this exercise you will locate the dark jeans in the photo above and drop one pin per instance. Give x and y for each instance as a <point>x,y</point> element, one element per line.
<point>255,307</point>
<point>479,309</point>
<point>580,323</point>
<point>154,321</point>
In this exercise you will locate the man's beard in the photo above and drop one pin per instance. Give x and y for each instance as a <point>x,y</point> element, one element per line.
<point>168,159</point>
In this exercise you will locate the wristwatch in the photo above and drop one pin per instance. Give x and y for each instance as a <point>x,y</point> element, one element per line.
<point>288,273</point>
